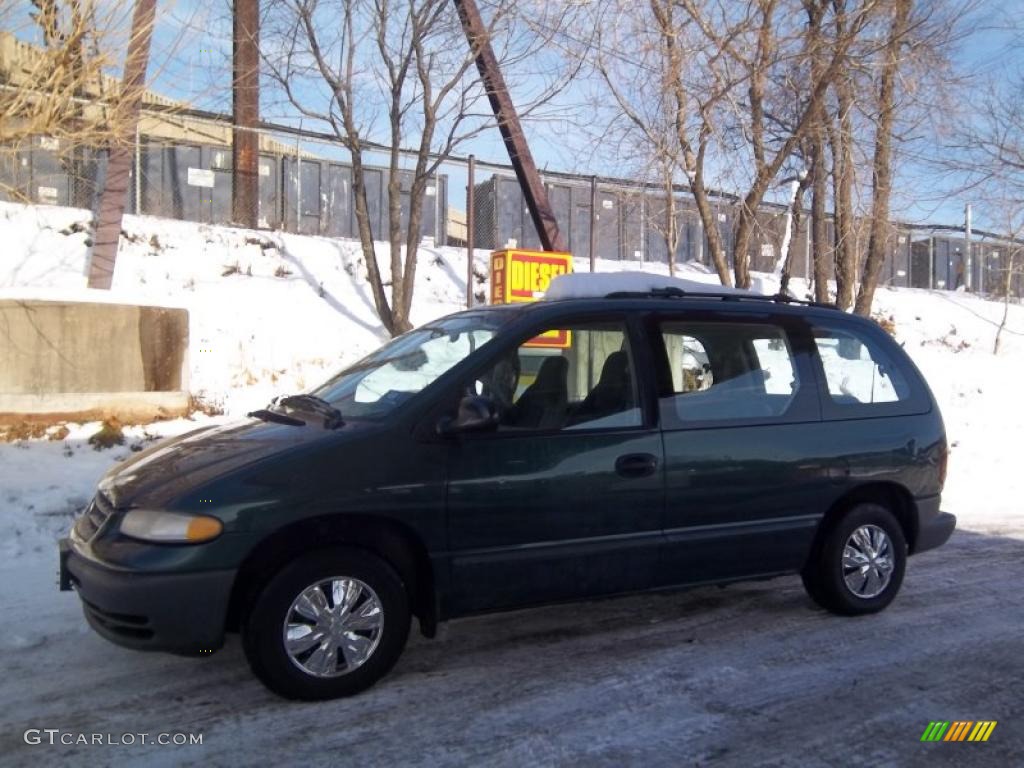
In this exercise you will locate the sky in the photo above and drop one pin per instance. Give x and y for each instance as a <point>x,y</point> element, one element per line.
<point>191,57</point>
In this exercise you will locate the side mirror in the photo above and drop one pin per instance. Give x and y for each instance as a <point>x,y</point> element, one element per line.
<point>476,414</point>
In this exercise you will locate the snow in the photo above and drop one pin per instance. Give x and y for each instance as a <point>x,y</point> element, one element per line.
<point>290,310</point>
<point>738,675</point>
<point>584,285</point>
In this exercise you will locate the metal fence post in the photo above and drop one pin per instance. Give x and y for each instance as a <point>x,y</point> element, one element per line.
<point>138,172</point>
<point>593,223</point>
<point>470,227</point>
<point>931,263</point>
<point>440,213</point>
<point>643,228</point>
<point>967,266</point>
<point>298,185</point>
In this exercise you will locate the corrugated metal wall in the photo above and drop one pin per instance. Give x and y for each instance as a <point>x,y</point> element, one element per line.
<point>193,182</point>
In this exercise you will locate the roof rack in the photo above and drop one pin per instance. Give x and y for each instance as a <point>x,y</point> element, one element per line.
<point>672,292</point>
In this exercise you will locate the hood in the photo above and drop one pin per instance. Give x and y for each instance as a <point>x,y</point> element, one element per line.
<point>172,467</point>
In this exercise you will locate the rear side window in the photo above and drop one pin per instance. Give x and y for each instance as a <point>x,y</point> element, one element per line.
<point>863,374</point>
<point>727,371</point>
<point>856,371</point>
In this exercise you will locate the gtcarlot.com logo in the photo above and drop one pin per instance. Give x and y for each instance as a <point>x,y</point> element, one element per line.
<point>958,730</point>
<point>55,736</point>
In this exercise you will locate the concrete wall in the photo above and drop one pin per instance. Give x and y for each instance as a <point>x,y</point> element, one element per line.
<point>89,360</point>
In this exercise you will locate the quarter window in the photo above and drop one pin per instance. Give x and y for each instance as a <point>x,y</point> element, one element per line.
<point>725,371</point>
<point>856,370</point>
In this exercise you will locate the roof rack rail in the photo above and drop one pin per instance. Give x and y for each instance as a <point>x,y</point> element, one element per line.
<point>672,292</point>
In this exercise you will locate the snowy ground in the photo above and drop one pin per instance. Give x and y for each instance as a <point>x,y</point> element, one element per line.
<point>751,674</point>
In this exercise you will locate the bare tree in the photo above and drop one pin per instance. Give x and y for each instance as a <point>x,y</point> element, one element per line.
<point>719,101</point>
<point>990,150</point>
<point>760,40</point>
<point>881,170</point>
<point>675,120</point>
<point>53,87</point>
<point>383,74</point>
<point>1011,272</point>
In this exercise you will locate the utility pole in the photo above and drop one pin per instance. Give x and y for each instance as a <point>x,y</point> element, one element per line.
<point>120,153</point>
<point>245,101</point>
<point>509,125</point>
<point>967,246</point>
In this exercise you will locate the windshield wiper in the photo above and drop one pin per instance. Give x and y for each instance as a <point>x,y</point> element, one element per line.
<point>313,405</point>
<point>265,414</point>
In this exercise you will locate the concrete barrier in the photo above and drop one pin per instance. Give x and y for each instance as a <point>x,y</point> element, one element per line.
<point>83,361</point>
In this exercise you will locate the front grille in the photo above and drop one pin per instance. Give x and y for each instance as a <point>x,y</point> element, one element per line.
<point>95,515</point>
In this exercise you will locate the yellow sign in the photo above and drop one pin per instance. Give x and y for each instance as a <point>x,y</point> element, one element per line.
<point>518,276</point>
<point>525,275</point>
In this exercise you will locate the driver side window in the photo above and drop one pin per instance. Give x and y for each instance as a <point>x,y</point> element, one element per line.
<point>575,378</point>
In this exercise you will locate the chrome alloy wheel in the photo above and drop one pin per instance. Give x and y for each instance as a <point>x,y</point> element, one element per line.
<point>868,561</point>
<point>333,626</point>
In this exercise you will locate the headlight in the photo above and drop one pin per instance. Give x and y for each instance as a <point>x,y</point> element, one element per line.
<point>170,527</point>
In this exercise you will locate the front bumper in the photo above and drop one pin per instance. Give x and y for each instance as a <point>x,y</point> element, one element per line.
<point>933,526</point>
<point>177,612</point>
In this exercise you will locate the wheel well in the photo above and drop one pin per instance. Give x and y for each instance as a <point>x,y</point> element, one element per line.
<point>892,496</point>
<point>390,540</point>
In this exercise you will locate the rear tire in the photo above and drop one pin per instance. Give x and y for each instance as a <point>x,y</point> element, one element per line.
<point>329,624</point>
<point>859,563</point>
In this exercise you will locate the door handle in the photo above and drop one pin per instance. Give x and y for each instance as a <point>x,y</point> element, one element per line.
<point>636,465</point>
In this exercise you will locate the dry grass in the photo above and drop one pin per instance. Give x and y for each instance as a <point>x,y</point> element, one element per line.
<point>109,435</point>
<point>24,430</point>
<point>199,404</point>
<point>888,323</point>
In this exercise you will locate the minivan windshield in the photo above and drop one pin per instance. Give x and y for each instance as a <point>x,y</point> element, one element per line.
<point>406,365</point>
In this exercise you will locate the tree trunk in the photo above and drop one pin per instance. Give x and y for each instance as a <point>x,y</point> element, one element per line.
<point>708,219</point>
<point>1007,287</point>
<point>380,300</point>
<point>841,139</point>
<point>417,194</point>
<point>746,218</point>
<point>881,172</point>
<point>795,220</point>
<point>740,243</point>
<point>821,256</point>
<point>395,242</point>
<point>119,158</point>
<point>707,216</point>
<point>245,110</point>
<point>671,225</point>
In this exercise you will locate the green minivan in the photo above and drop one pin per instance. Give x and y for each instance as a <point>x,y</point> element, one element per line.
<point>516,455</point>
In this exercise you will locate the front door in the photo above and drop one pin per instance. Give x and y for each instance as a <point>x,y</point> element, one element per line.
<point>564,498</point>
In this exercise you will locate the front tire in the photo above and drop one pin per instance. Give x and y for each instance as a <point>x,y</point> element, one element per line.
<point>859,563</point>
<point>329,624</point>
